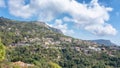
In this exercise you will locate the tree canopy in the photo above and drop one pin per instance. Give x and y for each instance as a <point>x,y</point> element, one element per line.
<point>2,51</point>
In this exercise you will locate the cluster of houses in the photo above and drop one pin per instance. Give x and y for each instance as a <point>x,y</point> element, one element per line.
<point>56,44</point>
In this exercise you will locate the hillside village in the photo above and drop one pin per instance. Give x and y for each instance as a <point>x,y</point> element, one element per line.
<point>36,44</point>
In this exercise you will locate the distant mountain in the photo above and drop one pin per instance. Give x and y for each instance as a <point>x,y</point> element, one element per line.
<point>103,42</point>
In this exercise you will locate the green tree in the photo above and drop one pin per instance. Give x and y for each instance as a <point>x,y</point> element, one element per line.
<point>54,65</point>
<point>2,51</point>
<point>99,65</point>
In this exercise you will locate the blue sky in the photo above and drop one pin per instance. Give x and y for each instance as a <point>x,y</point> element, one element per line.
<point>83,19</point>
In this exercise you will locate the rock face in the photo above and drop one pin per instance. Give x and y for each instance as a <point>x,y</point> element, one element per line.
<point>103,42</point>
<point>46,26</point>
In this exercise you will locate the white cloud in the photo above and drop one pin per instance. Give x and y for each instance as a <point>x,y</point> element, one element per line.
<point>19,9</point>
<point>101,29</point>
<point>63,27</point>
<point>87,16</point>
<point>2,3</point>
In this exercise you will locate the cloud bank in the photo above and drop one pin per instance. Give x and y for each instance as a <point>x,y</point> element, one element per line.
<point>91,17</point>
<point>63,27</point>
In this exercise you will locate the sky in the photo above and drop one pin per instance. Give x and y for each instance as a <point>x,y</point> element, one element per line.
<point>83,19</point>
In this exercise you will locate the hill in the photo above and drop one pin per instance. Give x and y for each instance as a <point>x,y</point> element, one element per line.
<point>104,42</point>
<point>13,32</point>
<point>37,44</point>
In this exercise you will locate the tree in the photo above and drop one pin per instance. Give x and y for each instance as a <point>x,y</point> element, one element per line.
<point>2,51</point>
<point>54,65</point>
<point>100,64</point>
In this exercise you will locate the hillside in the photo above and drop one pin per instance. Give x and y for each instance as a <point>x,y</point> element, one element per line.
<point>21,32</point>
<point>104,42</point>
<point>41,46</point>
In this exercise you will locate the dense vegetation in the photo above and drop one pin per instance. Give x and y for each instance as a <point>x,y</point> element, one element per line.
<point>66,58</point>
<point>46,47</point>
<point>2,51</point>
